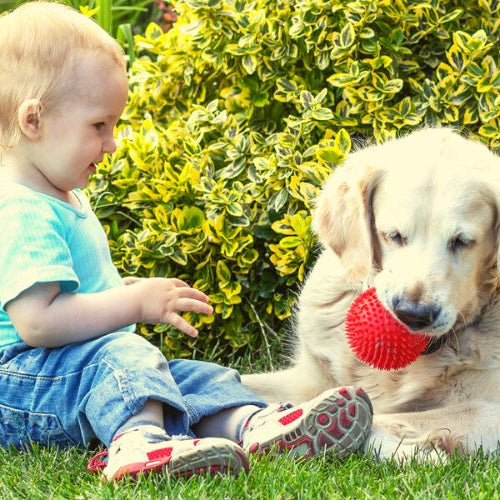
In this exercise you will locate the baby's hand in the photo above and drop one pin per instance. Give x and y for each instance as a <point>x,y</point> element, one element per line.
<point>162,298</point>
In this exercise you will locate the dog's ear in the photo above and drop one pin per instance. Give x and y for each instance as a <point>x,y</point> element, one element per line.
<point>491,181</point>
<point>496,206</point>
<point>343,218</point>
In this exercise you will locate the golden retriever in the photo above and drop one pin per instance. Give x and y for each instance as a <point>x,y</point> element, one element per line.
<point>418,218</point>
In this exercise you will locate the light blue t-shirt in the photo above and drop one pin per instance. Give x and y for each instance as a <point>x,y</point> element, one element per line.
<point>43,239</point>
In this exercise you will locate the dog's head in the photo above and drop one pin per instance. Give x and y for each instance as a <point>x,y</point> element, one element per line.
<point>419,216</point>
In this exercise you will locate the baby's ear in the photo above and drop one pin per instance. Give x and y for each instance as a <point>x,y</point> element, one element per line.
<point>29,118</point>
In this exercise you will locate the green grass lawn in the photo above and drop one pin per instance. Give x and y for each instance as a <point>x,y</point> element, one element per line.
<point>62,474</point>
<point>51,474</point>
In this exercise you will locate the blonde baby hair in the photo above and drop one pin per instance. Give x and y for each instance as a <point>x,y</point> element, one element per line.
<point>39,46</point>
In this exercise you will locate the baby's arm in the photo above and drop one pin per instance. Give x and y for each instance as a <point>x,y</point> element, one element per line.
<point>45,317</point>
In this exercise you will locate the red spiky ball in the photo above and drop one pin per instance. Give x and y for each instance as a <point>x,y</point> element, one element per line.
<point>378,339</point>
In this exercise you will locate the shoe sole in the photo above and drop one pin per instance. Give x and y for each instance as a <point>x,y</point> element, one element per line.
<point>212,460</point>
<point>339,422</point>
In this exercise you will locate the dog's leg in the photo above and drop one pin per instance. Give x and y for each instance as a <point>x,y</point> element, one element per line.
<point>433,434</point>
<point>280,386</point>
<point>269,386</point>
<point>293,385</point>
<point>401,442</point>
<point>303,381</point>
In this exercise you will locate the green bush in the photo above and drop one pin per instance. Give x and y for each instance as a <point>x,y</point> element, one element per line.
<point>239,113</point>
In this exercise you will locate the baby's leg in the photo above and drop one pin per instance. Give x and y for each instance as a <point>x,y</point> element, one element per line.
<point>117,388</point>
<point>79,392</point>
<point>338,420</point>
<point>141,446</point>
<point>150,414</point>
<point>227,423</point>
<point>216,399</point>
<point>130,382</point>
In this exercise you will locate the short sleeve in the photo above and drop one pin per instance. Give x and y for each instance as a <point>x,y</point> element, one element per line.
<point>33,248</point>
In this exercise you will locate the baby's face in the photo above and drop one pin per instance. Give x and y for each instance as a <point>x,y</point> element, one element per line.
<point>78,131</point>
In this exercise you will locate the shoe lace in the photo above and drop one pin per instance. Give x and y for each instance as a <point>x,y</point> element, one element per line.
<point>96,464</point>
<point>252,423</point>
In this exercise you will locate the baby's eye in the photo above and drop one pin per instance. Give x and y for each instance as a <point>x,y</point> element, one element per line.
<point>99,125</point>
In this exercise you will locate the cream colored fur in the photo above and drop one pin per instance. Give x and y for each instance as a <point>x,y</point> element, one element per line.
<point>416,217</point>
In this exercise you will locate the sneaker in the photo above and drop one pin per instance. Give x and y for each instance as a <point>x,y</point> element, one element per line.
<point>338,420</point>
<point>147,448</point>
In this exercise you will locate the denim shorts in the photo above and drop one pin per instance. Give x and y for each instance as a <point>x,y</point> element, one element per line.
<point>79,393</point>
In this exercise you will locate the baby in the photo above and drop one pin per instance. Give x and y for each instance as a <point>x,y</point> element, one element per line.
<point>72,370</point>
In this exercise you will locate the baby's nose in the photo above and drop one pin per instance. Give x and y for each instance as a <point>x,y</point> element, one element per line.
<point>109,146</point>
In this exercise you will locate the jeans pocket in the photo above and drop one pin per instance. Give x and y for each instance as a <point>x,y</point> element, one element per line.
<point>20,428</point>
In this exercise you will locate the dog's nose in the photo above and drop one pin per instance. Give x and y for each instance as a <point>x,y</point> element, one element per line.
<point>416,317</point>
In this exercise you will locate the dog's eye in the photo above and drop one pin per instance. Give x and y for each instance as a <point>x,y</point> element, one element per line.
<point>396,237</point>
<point>459,243</point>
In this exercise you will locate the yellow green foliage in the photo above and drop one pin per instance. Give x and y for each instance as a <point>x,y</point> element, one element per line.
<point>238,114</point>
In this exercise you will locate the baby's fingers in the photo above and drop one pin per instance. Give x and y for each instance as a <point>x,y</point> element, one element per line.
<point>192,293</point>
<point>178,283</point>
<point>193,305</point>
<point>181,324</point>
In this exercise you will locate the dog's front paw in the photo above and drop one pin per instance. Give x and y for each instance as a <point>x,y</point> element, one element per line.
<point>445,441</point>
<point>435,448</point>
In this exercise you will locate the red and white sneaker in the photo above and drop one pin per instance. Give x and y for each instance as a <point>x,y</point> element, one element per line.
<point>338,420</point>
<point>147,448</point>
